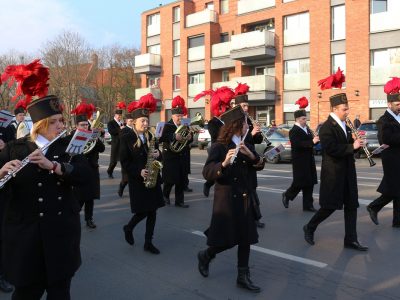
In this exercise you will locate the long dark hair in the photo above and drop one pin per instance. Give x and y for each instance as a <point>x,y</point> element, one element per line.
<point>227,131</point>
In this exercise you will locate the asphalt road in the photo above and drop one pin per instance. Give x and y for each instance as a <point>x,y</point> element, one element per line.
<point>282,263</point>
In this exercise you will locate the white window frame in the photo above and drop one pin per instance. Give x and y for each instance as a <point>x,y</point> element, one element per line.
<point>338,22</point>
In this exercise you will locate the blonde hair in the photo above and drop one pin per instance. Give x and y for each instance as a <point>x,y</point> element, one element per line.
<point>138,143</point>
<point>39,127</point>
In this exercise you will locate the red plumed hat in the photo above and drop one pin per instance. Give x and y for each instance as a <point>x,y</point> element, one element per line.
<point>146,105</point>
<point>302,102</point>
<point>220,99</point>
<point>83,111</point>
<point>334,81</point>
<point>392,89</point>
<point>178,106</point>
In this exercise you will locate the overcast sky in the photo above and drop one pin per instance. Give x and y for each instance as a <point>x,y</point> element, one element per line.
<point>26,24</point>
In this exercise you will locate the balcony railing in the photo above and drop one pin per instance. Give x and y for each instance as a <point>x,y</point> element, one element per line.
<point>252,39</point>
<point>295,36</point>
<point>201,17</point>
<point>144,91</point>
<point>195,88</point>
<point>256,83</point>
<point>246,6</point>
<point>148,63</point>
<point>196,53</point>
<point>153,29</point>
<point>388,20</point>
<point>221,49</point>
<point>298,81</point>
<point>380,75</point>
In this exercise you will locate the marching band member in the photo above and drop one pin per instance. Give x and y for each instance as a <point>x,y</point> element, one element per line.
<point>389,135</point>
<point>114,127</point>
<point>134,152</point>
<point>175,163</point>
<point>90,192</point>
<point>233,221</point>
<point>338,187</point>
<point>19,112</point>
<point>303,162</point>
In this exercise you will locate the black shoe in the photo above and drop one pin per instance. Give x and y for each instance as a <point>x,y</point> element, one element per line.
<point>243,280</point>
<point>260,224</point>
<point>187,189</point>
<point>206,190</point>
<point>373,215</point>
<point>285,200</point>
<point>308,235</point>
<point>312,209</point>
<point>5,286</point>
<point>167,201</point>
<point>121,189</point>
<point>149,247</point>
<point>110,175</point>
<point>355,245</point>
<point>181,205</point>
<point>90,223</point>
<point>128,235</point>
<point>204,262</point>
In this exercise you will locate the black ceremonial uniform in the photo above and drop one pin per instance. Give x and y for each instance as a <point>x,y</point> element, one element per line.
<point>41,230</point>
<point>113,129</point>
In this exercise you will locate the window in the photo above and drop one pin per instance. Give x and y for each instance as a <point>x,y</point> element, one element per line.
<point>378,6</point>
<point>297,29</point>
<point>338,22</point>
<point>196,78</point>
<point>153,24</point>
<point>196,41</point>
<point>210,5</point>
<point>297,66</point>
<point>264,70</point>
<point>224,37</point>
<point>153,81</point>
<point>224,6</point>
<point>176,14</point>
<point>339,60</point>
<point>177,47</point>
<point>225,75</point>
<point>153,19</point>
<point>177,82</point>
<point>154,49</point>
<point>385,57</point>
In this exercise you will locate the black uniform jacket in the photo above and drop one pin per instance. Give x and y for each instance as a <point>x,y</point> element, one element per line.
<point>6,134</point>
<point>338,172</point>
<point>175,164</point>
<point>214,125</point>
<point>303,162</point>
<point>114,129</point>
<point>41,230</point>
<point>93,159</point>
<point>232,220</point>
<point>252,140</point>
<point>389,134</point>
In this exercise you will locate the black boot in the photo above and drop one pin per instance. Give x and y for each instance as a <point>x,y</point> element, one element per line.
<point>204,262</point>
<point>5,286</point>
<point>121,189</point>
<point>244,281</point>
<point>90,223</point>
<point>149,247</point>
<point>128,235</point>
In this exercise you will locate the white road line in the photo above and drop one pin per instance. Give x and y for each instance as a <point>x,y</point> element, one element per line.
<point>279,254</point>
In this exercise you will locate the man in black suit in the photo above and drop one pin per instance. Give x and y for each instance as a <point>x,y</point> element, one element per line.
<point>114,128</point>
<point>389,134</point>
<point>303,162</point>
<point>338,174</point>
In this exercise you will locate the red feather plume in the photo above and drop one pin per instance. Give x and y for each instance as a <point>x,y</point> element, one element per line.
<point>178,101</point>
<point>31,79</point>
<point>84,109</point>
<point>148,101</point>
<point>302,102</point>
<point>241,89</point>
<point>392,86</point>
<point>334,81</point>
<point>220,99</point>
<point>132,106</point>
<point>22,103</point>
<point>121,105</point>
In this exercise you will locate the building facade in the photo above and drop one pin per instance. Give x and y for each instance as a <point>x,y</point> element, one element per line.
<point>280,48</point>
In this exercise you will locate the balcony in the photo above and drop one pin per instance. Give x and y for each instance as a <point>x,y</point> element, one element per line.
<point>201,17</point>
<point>220,57</point>
<point>385,21</point>
<point>255,46</point>
<point>221,49</point>
<point>247,6</point>
<point>144,91</point>
<point>299,81</point>
<point>262,87</point>
<point>195,88</point>
<point>153,30</point>
<point>148,63</point>
<point>295,37</point>
<point>196,53</point>
<point>380,75</point>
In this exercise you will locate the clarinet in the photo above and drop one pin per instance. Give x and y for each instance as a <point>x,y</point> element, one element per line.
<point>25,161</point>
<point>357,135</point>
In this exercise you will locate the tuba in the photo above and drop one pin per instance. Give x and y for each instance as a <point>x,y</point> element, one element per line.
<point>184,131</point>
<point>153,166</point>
<point>96,124</point>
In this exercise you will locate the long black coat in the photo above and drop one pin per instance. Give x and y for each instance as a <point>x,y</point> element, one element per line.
<point>338,172</point>
<point>232,220</point>
<point>252,140</point>
<point>93,159</point>
<point>175,168</point>
<point>303,162</point>
<point>41,230</point>
<point>6,134</point>
<point>114,130</point>
<point>389,134</point>
<point>133,160</point>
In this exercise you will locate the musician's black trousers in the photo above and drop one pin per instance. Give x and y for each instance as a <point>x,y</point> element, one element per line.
<point>209,183</point>
<point>111,166</point>
<point>293,191</point>
<point>89,204</point>
<point>243,253</point>
<point>55,291</point>
<point>179,187</point>
<point>350,222</point>
<point>150,223</point>
<point>381,201</point>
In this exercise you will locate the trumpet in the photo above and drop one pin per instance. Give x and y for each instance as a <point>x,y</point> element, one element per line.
<point>25,161</point>
<point>255,123</point>
<point>357,135</point>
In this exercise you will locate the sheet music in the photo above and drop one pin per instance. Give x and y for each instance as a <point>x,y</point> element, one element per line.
<point>380,149</point>
<point>159,129</point>
<point>78,141</point>
<point>274,151</point>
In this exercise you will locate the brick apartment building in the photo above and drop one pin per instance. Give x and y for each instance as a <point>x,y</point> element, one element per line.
<point>280,48</point>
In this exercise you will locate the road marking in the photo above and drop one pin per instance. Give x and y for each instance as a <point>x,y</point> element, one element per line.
<point>279,254</point>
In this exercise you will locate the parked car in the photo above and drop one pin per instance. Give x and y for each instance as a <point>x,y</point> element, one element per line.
<point>203,138</point>
<point>276,136</point>
<point>369,131</point>
<point>107,136</point>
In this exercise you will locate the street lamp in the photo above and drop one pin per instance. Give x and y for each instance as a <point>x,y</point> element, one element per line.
<point>319,95</point>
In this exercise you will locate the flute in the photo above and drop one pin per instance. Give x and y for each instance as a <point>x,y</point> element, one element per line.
<point>238,147</point>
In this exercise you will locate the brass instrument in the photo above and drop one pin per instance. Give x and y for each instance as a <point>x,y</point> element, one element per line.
<point>255,123</point>
<point>23,130</point>
<point>153,166</point>
<point>25,161</point>
<point>357,135</point>
<point>96,124</point>
<point>184,131</point>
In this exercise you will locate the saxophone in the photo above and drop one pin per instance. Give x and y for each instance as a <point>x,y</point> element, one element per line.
<point>153,166</point>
